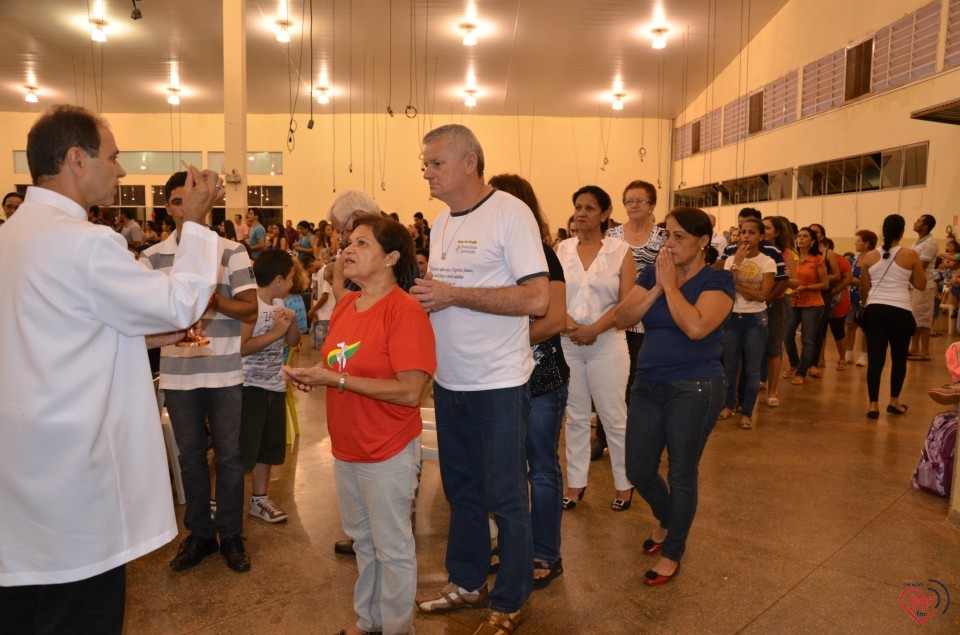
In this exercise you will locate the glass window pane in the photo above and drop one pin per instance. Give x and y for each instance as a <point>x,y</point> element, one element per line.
<point>851,174</point>
<point>870,179</point>
<point>162,163</point>
<point>835,177</point>
<point>804,181</point>
<point>891,164</point>
<point>915,165</point>
<point>264,163</point>
<point>215,162</point>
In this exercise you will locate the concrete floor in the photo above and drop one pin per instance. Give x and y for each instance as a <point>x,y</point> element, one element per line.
<point>806,524</point>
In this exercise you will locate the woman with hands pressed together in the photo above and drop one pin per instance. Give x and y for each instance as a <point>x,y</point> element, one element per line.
<point>599,272</point>
<point>376,361</point>
<point>679,389</point>
<point>746,335</point>
<point>808,307</point>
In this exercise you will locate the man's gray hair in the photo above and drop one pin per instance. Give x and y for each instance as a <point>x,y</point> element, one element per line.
<point>349,202</point>
<point>462,138</point>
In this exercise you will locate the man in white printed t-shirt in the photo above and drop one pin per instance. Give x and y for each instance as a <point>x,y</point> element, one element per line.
<point>488,275</point>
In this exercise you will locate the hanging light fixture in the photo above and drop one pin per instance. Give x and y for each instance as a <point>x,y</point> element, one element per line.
<point>31,96</point>
<point>283,31</point>
<point>322,94</point>
<point>659,38</point>
<point>469,33</point>
<point>173,97</point>
<point>618,101</point>
<point>97,33</point>
<point>471,99</point>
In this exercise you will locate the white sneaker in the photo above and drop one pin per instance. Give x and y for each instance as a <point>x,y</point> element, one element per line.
<point>862,360</point>
<point>265,509</point>
<point>848,357</point>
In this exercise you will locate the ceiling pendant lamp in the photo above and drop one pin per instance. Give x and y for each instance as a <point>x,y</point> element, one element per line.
<point>659,38</point>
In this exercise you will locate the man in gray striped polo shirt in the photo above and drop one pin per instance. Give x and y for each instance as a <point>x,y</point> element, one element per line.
<point>202,384</point>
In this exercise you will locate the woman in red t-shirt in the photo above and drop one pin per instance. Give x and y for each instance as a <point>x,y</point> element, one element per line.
<point>376,361</point>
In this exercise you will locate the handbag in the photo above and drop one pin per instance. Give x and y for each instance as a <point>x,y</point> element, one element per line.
<point>858,314</point>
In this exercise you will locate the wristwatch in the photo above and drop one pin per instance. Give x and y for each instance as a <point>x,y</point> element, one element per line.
<point>343,380</point>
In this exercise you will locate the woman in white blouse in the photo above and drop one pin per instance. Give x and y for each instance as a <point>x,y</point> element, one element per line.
<point>599,272</point>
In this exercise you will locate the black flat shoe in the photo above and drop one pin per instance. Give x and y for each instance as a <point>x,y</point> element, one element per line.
<point>192,550</point>
<point>651,546</point>
<point>554,568</point>
<point>895,411</point>
<point>873,414</point>
<point>569,503</point>
<point>652,578</point>
<point>235,553</point>
<point>620,505</point>
<point>344,547</point>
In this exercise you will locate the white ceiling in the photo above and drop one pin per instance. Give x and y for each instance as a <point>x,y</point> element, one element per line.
<point>548,57</point>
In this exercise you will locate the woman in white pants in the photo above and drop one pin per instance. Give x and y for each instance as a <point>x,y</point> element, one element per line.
<point>599,272</point>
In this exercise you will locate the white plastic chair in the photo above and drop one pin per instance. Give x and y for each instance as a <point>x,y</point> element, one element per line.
<point>429,451</point>
<point>170,441</point>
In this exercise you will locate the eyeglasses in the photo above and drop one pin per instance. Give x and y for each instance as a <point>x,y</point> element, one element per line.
<point>630,202</point>
<point>352,220</point>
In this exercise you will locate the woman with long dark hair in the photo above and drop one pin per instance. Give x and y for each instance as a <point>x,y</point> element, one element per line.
<point>548,387</point>
<point>229,230</point>
<point>777,230</point>
<point>679,388</point>
<point>746,334</point>
<point>885,278</point>
<point>807,304</point>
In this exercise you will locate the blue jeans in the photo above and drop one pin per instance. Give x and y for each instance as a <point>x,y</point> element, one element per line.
<point>678,416</point>
<point>809,318</point>
<point>546,480</point>
<point>745,340</point>
<point>483,463</point>
<point>375,501</point>
<point>189,409</point>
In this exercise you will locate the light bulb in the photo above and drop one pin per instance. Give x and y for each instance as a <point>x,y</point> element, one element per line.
<point>283,32</point>
<point>322,96</point>
<point>97,34</point>
<point>471,99</point>
<point>659,39</point>
<point>469,33</point>
<point>618,101</point>
<point>31,96</point>
<point>174,97</point>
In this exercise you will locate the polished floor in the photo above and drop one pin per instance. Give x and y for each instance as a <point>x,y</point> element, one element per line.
<point>806,524</point>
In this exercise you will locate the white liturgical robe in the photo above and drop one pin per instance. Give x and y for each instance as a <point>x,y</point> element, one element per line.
<point>84,486</point>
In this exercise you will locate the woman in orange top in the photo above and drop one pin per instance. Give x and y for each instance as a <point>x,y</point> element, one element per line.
<point>375,363</point>
<point>807,305</point>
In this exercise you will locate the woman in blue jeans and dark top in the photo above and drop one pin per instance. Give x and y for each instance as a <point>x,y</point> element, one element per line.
<point>548,388</point>
<point>807,304</point>
<point>746,334</point>
<point>679,387</point>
